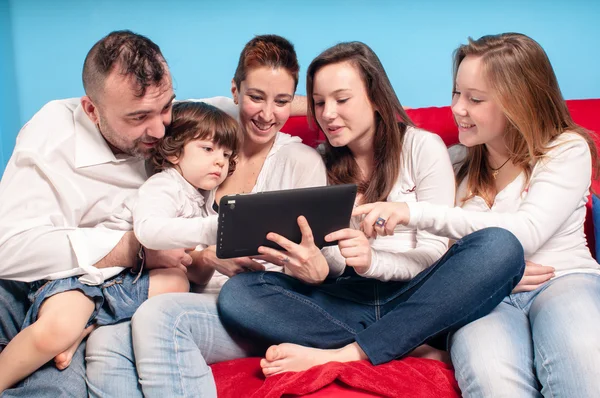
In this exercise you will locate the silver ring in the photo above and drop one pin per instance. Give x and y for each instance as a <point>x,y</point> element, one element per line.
<point>380,222</point>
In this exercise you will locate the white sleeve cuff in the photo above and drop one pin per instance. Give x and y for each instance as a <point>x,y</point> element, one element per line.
<point>372,270</point>
<point>415,211</point>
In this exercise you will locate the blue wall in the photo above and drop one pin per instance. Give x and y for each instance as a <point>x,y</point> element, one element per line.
<point>44,42</point>
<point>10,120</point>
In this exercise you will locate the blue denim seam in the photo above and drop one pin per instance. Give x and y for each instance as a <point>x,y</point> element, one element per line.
<point>547,367</point>
<point>176,348</point>
<point>377,303</point>
<point>307,302</point>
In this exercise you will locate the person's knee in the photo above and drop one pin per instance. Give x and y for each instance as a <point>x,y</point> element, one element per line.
<point>159,310</point>
<point>107,339</point>
<point>168,281</point>
<point>502,253</point>
<point>237,298</point>
<point>235,291</point>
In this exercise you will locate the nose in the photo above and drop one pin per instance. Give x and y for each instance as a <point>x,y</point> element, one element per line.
<point>157,128</point>
<point>458,106</point>
<point>220,159</point>
<point>329,110</point>
<point>267,111</point>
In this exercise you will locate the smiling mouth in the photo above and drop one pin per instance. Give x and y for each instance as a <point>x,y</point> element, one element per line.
<point>262,127</point>
<point>334,129</point>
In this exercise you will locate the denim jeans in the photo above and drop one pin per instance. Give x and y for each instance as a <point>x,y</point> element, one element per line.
<point>175,337</point>
<point>386,319</point>
<point>48,381</point>
<point>534,344</point>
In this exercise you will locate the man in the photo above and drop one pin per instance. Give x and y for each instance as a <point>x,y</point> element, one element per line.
<point>74,164</point>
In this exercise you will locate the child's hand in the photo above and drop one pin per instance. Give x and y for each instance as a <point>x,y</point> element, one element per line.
<point>382,217</point>
<point>354,246</point>
<point>174,258</point>
<point>229,267</point>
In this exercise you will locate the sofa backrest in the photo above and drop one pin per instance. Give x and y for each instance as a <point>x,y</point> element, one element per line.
<point>439,120</point>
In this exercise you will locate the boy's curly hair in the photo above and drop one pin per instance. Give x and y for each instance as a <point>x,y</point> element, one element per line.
<point>197,121</point>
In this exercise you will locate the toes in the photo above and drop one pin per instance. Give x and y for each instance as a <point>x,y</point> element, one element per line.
<point>63,360</point>
<point>61,364</point>
<point>270,371</point>
<point>273,353</point>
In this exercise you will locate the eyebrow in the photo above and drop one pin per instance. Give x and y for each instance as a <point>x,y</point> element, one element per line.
<point>470,89</point>
<point>339,90</point>
<point>259,91</point>
<point>146,111</point>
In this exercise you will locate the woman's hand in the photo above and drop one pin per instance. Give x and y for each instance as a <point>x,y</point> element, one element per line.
<point>382,217</point>
<point>303,261</point>
<point>229,267</point>
<point>354,246</point>
<point>535,276</point>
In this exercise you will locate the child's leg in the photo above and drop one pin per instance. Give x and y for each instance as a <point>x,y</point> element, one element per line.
<point>168,280</point>
<point>60,321</point>
<point>63,360</point>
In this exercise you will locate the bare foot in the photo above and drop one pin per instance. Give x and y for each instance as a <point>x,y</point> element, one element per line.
<point>427,351</point>
<point>63,360</point>
<point>288,357</point>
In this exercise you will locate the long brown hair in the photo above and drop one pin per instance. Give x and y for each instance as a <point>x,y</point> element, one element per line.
<point>523,83</point>
<point>197,121</point>
<point>391,122</point>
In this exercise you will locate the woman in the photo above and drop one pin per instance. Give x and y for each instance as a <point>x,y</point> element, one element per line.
<point>377,299</point>
<point>175,339</point>
<point>523,165</point>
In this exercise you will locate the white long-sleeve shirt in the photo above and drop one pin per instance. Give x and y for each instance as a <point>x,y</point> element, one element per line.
<point>60,187</point>
<point>425,176</point>
<point>170,213</point>
<point>546,215</point>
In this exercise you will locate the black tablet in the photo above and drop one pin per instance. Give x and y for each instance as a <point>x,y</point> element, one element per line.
<point>245,220</point>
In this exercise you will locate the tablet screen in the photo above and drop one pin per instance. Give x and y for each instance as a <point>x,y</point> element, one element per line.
<point>245,220</point>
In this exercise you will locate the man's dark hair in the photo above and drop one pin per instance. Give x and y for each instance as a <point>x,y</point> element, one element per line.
<point>134,55</point>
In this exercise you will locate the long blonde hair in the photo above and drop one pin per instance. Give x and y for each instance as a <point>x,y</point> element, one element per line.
<point>524,85</point>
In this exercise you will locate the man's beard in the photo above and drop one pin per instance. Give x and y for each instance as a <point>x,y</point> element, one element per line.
<point>113,138</point>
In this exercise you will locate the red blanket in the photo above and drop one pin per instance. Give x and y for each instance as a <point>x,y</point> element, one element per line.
<point>409,377</point>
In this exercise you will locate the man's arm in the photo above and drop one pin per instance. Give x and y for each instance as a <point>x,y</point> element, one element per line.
<point>124,254</point>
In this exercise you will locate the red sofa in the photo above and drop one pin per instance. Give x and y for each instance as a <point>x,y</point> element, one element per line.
<point>409,377</point>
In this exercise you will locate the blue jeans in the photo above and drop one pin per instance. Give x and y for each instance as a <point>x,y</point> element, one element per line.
<point>386,319</point>
<point>534,344</point>
<point>47,381</point>
<point>175,337</point>
<point>116,299</point>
